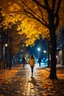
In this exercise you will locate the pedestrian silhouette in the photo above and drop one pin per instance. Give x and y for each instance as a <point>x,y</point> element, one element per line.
<point>39,61</point>
<point>23,61</point>
<point>32,63</point>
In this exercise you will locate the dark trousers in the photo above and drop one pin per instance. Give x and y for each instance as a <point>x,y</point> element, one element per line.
<point>23,65</point>
<point>32,69</point>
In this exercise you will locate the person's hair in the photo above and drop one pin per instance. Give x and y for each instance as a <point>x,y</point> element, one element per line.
<point>32,57</point>
<point>23,57</point>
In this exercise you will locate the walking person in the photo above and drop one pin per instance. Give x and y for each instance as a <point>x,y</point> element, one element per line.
<point>23,61</point>
<point>39,61</point>
<point>32,63</point>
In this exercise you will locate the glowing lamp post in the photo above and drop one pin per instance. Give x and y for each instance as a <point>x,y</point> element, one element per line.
<point>6,45</point>
<point>44,51</point>
<point>39,49</point>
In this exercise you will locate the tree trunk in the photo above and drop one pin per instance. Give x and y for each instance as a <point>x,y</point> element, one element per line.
<point>49,54</point>
<point>63,54</point>
<point>53,55</point>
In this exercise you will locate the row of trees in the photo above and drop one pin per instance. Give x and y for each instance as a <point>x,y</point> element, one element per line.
<point>10,39</point>
<point>49,14</point>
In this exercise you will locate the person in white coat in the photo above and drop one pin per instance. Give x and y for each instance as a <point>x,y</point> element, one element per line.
<point>32,63</point>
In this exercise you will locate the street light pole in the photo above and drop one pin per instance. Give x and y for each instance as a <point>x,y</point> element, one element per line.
<point>39,49</point>
<point>6,54</point>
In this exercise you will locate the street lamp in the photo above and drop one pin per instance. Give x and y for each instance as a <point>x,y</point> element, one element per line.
<point>39,49</point>
<point>44,51</point>
<point>5,51</point>
<point>6,45</point>
<point>21,50</point>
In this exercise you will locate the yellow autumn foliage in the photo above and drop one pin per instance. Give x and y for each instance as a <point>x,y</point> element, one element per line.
<point>14,10</point>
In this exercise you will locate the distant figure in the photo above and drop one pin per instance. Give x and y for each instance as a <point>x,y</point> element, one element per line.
<point>32,63</point>
<point>23,61</point>
<point>39,61</point>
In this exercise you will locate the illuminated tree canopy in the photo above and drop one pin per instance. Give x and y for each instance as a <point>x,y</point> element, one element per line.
<point>35,9</point>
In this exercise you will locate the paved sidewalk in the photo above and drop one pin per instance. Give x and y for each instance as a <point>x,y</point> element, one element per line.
<point>18,82</point>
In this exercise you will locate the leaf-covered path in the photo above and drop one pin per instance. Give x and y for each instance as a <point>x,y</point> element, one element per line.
<point>18,82</point>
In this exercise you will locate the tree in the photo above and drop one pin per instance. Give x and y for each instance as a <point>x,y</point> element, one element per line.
<point>15,40</point>
<point>62,39</point>
<point>63,45</point>
<point>47,13</point>
<point>51,7</point>
<point>1,33</point>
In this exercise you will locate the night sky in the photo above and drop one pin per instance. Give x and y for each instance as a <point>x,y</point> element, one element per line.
<point>38,44</point>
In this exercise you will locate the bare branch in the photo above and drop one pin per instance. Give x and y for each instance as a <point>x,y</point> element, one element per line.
<point>57,22</point>
<point>40,11</point>
<point>53,5</point>
<point>44,7</point>
<point>58,7</point>
<point>19,4</point>
<point>41,14</point>
<point>30,9</point>
<point>28,15</point>
<point>47,5</point>
<point>36,18</point>
<point>32,13</point>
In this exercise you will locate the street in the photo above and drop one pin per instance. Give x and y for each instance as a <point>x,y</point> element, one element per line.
<point>18,82</point>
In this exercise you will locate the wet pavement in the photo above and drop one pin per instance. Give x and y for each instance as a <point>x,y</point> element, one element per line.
<point>18,82</point>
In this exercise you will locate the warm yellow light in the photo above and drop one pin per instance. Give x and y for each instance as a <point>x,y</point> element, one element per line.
<point>21,50</point>
<point>6,45</point>
<point>44,51</point>
<point>23,45</point>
